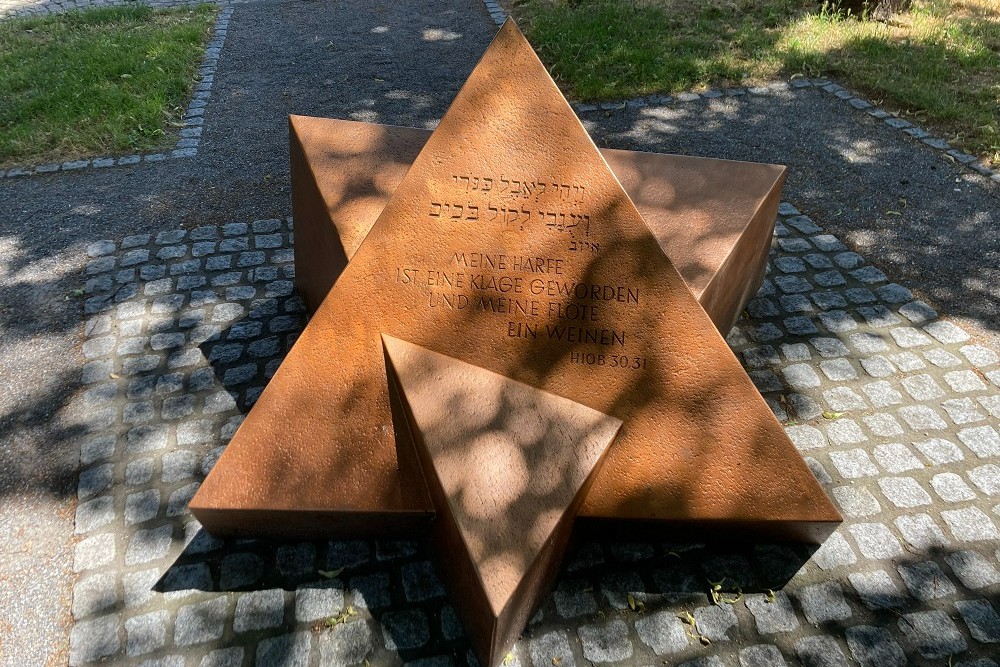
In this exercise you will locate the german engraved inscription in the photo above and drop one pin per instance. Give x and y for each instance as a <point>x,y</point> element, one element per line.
<point>529,297</point>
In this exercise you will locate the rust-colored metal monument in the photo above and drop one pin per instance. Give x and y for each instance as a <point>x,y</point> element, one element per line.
<point>510,348</point>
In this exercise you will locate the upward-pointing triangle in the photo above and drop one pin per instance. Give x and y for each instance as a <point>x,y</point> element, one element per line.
<point>510,245</point>
<point>507,466</point>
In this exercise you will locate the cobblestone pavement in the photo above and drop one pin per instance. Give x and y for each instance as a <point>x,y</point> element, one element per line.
<point>894,408</point>
<point>12,8</point>
<point>183,330</point>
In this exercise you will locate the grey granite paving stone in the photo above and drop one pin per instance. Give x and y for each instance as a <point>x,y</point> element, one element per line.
<point>869,342</point>
<point>874,647</point>
<point>877,590</point>
<point>838,370</point>
<point>606,642</point>
<point>146,633</point>
<point>617,586</point>
<point>805,407</point>
<point>878,366</point>
<point>883,425</point>
<point>404,629</point>
<point>226,657</point>
<point>853,464</point>
<point>317,601</point>
<point>420,581</point>
<point>94,480</point>
<point>962,411</point>
<point>147,545</point>
<point>896,458</point>
<point>794,303</point>
<point>980,356</point>
<point>946,332</point>
<point>140,471</point>
<point>829,347</point>
<point>904,492</point>
<point>347,553</point>
<point>981,618</point>
<point>933,634</point>
<point>708,661</point>
<point>139,587</point>
<point>94,514</point>
<point>835,552</point>
<point>828,300</point>
<point>293,560</point>
<point>800,377</point>
<point>92,640</point>
<point>939,451</point>
<point>259,610</point>
<point>94,594</point>
<point>142,506</point>
<point>922,387</point>
<point>844,399</point>
<point>909,337</point>
<point>984,441</point>
<point>992,403</point>
<point>820,651</point>
<point>855,502</point>
<point>550,649</point>
<point>284,651</point>
<point>761,655</point>
<point>921,533</point>
<point>842,432</point>
<point>875,541</point>
<point>970,525</point>
<point>806,437</point>
<point>824,602</point>
<point>772,616</point>
<point>180,581</point>
<point>574,598</point>
<point>178,500</point>
<point>346,644</point>
<point>717,622</point>
<point>951,488</point>
<point>986,478</point>
<point>93,552</point>
<point>371,591</point>
<point>239,570</point>
<point>926,580</point>
<point>964,381</point>
<point>972,569</point>
<point>662,632</point>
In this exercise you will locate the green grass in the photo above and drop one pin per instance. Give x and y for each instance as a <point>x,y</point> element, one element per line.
<point>96,82</point>
<point>940,61</point>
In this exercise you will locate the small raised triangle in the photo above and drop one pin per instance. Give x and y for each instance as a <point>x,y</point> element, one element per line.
<point>507,466</point>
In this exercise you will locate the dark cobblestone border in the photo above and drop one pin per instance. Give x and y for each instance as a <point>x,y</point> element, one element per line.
<point>190,134</point>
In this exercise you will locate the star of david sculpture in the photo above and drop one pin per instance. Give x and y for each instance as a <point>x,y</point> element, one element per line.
<point>514,333</point>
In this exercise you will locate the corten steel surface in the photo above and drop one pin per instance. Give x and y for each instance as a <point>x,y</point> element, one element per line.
<point>564,289</point>
<point>713,218</point>
<point>507,484</point>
